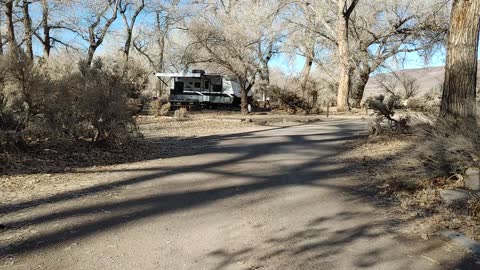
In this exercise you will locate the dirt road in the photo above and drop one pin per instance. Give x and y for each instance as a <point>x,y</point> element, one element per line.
<point>276,199</point>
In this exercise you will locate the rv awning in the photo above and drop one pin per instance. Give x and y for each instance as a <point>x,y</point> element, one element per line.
<point>178,75</point>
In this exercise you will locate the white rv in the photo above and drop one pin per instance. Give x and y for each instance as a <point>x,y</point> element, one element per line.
<point>202,88</point>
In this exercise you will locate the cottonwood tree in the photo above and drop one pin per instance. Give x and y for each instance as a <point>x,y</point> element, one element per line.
<point>129,10</point>
<point>458,99</point>
<point>312,37</point>
<point>391,29</point>
<point>378,30</point>
<point>27,25</point>
<point>238,39</point>
<point>334,17</point>
<point>97,17</point>
<point>55,22</point>
<point>302,38</point>
<point>1,34</point>
<point>9,22</point>
<point>151,40</point>
<point>345,10</point>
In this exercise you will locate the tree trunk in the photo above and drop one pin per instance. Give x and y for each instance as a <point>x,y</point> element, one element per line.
<point>90,54</point>
<point>161,48</point>
<point>306,71</point>
<point>359,87</point>
<point>1,36</point>
<point>161,39</point>
<point>47,46</point>
<point>344,76</point>
<point>128,43</point>
<point>161,64</point>
<point>12,43</point>
<point>27,24</point>
<point>459,93</point>
<point>95,35</point>
<point>126,49</point>
<point>129,27</point>
<point>243,97</point>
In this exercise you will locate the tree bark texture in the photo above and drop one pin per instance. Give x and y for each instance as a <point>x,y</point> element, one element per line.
<point>459,91</point>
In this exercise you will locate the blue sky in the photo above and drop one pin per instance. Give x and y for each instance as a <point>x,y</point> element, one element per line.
<point>411,61</point>
<point>284,62</point>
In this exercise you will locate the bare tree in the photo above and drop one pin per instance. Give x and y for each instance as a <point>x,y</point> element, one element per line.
<point>125,6</point>
<point>53,20</point>
<point>1,35</point>
<point>377,31</point>
<point>46,42</point>
<point>9,21</point>
<point>241,48</point>
<point>100,16</point>
<point>307,44</point>
<point>151,42</point>
<point>398,84</point>
<point>458,99</point>
<point>27,25</point>
<point>336,15</point>
<point>407,28</point>
<point>409,85</point>
<point>344,12</point>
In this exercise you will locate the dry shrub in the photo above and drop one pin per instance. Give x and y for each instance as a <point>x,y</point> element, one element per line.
<point>160,107</point>
<point>430,102</point>
<point>22,95</point>
<point>181,113</point>
<point>290,101</point>
<point>384,109</point>
<point>473,208</point>
<point>90,104</point>
<point>449,149</point>
<point>93,105</point>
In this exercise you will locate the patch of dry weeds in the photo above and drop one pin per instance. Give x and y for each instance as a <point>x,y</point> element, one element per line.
<point>390,165</point>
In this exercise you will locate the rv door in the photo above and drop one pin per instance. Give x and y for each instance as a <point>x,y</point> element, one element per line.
<point>206,90</point>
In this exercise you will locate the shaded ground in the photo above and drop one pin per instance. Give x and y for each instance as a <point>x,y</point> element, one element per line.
<point>164,137</point>
<point>282,198</point>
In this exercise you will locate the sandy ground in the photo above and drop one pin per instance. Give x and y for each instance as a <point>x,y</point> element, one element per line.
<point>265,198</point>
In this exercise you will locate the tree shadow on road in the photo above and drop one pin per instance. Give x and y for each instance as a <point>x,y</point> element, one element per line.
<point>101,213</point>
<point>321,244</point>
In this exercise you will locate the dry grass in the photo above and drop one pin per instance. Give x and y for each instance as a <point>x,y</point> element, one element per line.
<point>191,127</point>
<point>394,166</point>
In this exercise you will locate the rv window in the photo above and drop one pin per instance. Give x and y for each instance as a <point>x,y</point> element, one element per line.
<point>207,85</point>
<point>178,88</point>
<point>217,88</point>
<point>197,85</point>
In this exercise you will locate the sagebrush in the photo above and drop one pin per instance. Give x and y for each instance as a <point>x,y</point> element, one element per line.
<point>93,104</point>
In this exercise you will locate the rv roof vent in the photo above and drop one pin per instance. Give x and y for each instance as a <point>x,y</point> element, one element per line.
<point>199,71</point>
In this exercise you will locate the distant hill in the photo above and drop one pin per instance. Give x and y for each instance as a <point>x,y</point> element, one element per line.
<point>427,78</point>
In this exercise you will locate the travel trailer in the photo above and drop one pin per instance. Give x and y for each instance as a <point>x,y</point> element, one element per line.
<point>200,88</point>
